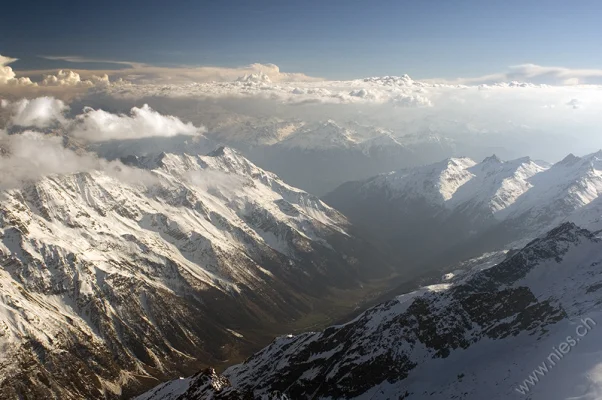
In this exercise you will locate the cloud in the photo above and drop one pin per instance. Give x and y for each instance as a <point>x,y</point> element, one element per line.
<point>99,125</point>
<point>67,84</point>
<point>62,84</point>
<point>138,73</point>
<point>525,74</point>
<point>71,78</point>
<point>28,156</point>
<point>41,112</point>
<point>79,59</point>
<point>398,91</point>
<point>6,72</point>
<point>519,109</point>
<point>555,75</point>
<point>8,76</point>
<point>411,100</point>
<point>31,155</point>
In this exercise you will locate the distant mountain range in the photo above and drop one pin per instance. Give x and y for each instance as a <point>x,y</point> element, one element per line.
<point>462,208</point>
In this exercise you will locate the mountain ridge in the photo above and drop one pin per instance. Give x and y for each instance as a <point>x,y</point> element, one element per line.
<point>137,277</point>
<point>395,348</point>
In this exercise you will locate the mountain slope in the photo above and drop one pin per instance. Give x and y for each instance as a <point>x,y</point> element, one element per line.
<point>320,156</point>
<point>478,336</point>
<point>461,208</point>
<point>110,283</point>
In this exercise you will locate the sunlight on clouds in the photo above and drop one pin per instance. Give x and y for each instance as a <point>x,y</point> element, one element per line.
<point>8,76</point>
<point>533,73</point>
<point>99,125</point>
<point>511,112</point>
<point>71,78</point>
<point>40,112</point>
<point>148,74</point>
<point>29,156</point>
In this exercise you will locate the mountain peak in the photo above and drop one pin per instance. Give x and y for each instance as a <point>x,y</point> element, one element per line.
<point>323,135</point>
<point>569,160</point>
<point>566,232</point>
<point>225,151</point>
<point>567,229</point>
<point>383,140</point>
<point>220,151</point>
<point>492,159</point>
<point>526,294</point>
<point>462,162</point>
<point>259,77</point>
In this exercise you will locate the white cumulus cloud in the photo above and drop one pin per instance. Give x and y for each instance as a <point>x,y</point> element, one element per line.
<point>8,76</point>
<point>99,125</point>
<point>41,112</point>
<point>71,78</point>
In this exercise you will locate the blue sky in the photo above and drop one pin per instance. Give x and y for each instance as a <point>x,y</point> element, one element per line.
<point>328,38</point>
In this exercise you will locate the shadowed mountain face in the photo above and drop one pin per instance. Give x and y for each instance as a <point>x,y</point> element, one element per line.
<point>109,285</point>
<point>476,336</point>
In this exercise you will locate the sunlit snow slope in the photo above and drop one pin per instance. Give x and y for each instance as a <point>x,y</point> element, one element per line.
<point>108,284</point>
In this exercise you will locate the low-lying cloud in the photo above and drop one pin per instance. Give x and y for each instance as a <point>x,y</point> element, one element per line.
<point>41,112</point>
<point>99,125</point>
<point>28,156</point>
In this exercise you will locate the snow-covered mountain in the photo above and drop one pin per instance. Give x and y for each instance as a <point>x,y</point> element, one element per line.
<point>556,193</point>
<point>481,206</point>
<point>320,156</point>
<point>314,156</point>
<point>320,136</point>
<point>492,184</point>
<point>110,283</point>
<point>480,335</point>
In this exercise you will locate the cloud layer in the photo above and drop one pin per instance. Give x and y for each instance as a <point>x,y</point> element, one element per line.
<point>538,74</point>
<point>540,111</point>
